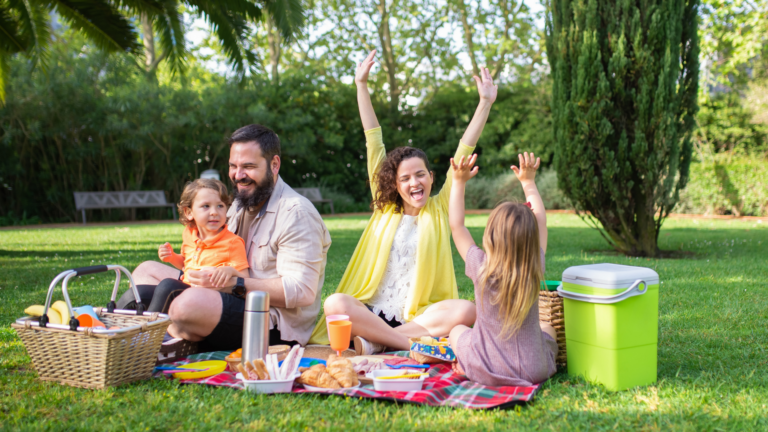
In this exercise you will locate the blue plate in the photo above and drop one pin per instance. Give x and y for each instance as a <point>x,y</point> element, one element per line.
<point>307,362</point>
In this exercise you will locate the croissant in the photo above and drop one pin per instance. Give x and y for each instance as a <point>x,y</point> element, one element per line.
<point>343,371</point>
<point>317,376</point>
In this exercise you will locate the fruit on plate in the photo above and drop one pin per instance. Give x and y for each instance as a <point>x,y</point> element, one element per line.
<point>37,310</point>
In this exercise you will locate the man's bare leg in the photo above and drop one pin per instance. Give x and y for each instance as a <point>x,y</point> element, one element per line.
<point>437,320</point>
<point>152,272</point>
<point>195,313</point>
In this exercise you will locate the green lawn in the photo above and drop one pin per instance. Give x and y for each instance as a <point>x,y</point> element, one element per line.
<point>713,342</point>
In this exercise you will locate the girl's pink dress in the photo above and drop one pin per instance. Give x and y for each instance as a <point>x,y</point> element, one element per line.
<point>524,359</point>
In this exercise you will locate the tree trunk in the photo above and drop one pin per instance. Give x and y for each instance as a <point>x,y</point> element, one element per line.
<point>275,50</point>
<point>151,59</point>
<point>390,66</point>
<point>468,33</point>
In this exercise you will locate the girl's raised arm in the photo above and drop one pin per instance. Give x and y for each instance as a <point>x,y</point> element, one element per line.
<point>526,173</point>
<point>463,170</point>
<point>367,115</point>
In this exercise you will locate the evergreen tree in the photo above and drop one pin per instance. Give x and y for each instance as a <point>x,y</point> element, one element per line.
<point>625,80</point>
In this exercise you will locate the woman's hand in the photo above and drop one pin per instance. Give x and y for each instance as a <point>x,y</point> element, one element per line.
<point>485,87</point>
<point>361,76</point>
<point>464,170</point>
<point>528,166</point>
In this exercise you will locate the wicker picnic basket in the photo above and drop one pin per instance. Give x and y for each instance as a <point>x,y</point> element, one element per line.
<point>94,357</point>
<point>551,312</point>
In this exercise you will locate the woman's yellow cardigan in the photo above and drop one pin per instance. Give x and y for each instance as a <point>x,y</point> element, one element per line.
<point>434,280</point>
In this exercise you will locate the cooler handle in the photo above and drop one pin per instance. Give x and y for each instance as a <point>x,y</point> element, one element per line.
<point>630,292</point>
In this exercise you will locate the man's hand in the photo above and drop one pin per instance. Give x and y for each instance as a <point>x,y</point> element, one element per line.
<point>165,252</point>
<point>361,76</point>
<point>464,170</point>
<point>528,166</point>
<point>485,87</point>
<point>221,276</point>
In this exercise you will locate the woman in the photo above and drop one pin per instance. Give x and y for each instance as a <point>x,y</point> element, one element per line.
<point>400,281</point>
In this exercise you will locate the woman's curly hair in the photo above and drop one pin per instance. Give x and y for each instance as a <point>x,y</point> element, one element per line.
<point>386,179</point>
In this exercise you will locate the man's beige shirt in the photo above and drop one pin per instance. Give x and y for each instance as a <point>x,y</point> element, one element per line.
<point>288,239</point>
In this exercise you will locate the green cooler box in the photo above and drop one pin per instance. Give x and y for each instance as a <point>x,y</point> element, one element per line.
<point>611,323</point>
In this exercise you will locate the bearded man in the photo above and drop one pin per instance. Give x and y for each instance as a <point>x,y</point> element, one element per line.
<point>286,244</point>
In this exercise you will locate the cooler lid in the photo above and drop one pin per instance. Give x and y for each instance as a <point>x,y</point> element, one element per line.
<point>609,275</point>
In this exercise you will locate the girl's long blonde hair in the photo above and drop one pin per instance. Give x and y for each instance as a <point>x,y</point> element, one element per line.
<point>512,271</point>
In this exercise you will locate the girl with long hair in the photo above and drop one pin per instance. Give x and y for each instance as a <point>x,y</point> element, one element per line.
<point>508,346</point>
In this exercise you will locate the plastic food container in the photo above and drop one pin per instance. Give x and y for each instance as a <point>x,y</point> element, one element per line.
<point>270,386</point>
<point>329,390</point>
<point>405,384</point>
<point>611,323</point>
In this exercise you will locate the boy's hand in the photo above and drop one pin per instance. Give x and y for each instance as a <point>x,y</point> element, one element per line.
<point>485,86</point>
<point>528,166</point>
<point>361,76</point>
<point>221,275</point>
<point>165,252</point>
<point>464,170</point>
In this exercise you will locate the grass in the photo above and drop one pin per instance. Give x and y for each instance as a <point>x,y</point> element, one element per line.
<point>713,342</point>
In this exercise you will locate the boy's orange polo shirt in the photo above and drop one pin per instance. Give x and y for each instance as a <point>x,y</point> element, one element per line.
<point>222,249</point>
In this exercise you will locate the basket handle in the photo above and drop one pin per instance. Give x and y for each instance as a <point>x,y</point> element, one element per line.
<point>69,274</point>
<point>632,291</point>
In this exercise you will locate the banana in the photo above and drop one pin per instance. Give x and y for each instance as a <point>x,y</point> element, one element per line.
<point>54,317</point>
<point>35,310</point>
<point>61,307</point>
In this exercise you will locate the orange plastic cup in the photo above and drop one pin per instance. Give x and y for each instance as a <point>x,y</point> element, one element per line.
<point>89,321</point>
<point>339,332</point>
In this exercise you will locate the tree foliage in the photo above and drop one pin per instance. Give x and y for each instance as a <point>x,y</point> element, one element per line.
<point>93,124</point>
<point>625,82</point>
<point>25,27</point>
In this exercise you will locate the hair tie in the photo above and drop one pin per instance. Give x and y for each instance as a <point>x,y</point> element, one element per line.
<point>528,204</point>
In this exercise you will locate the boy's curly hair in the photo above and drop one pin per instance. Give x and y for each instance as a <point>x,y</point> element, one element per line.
<point>386,179</point>
<point>190,192</point>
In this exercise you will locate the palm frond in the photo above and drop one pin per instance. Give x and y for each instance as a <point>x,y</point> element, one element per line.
<point>11,41</point>
<point>232,31</point>
<point>5,73</point>
<point>288,16</point>
<point>170,27</point>
<point>136,7</point>
<point>101,22</point>
<point>34,28</point>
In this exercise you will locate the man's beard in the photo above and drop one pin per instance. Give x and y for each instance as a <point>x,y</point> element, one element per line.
<point>260,194</point>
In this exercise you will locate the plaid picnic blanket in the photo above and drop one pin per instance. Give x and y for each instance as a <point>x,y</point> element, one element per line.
<point>442,388</point>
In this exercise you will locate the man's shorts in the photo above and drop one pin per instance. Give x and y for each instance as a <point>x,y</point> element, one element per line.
<point>228,333</point>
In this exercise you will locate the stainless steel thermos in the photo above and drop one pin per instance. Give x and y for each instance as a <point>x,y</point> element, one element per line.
<point>256,326</point>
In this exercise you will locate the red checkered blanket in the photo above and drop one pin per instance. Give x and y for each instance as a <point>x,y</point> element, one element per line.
<point>442,388</point>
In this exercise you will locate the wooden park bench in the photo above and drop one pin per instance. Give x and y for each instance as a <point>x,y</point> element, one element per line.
<point>127,199</point>
<point>314,196</point>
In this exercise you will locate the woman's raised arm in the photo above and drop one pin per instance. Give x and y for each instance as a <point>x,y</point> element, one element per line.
<point>367,115</point>
<point>487,91</point>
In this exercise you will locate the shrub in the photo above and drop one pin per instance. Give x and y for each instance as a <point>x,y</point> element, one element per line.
<point>485,192</point>
<point>738,186</point>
